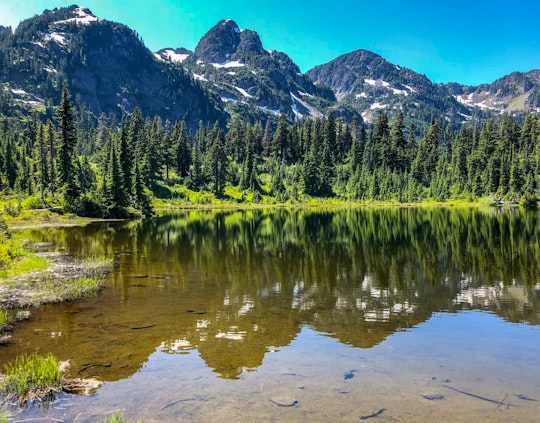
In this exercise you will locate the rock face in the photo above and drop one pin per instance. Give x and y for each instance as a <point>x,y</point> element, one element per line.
<point>515,92</point>
<point>369,83</point>
<point>220,43</point>
<point>107,68</point>
<point>248,78</point>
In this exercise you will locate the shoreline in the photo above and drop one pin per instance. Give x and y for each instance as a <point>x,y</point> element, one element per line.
<point>64,279</point>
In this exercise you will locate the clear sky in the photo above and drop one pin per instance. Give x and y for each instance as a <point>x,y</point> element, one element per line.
<point>467,41</point>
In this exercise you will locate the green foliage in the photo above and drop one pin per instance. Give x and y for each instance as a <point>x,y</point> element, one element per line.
<point>529,202</point>
<point>13,209</point>
<point>126,167</point>
<point>31,377</point>
<point>3,319</point>
<point>117,417</point>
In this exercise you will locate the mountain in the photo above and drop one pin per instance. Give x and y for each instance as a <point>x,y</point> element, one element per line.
<point>109,70</point>
<point>369,83</point>
<point>106,65</point>
<point>515,92</point>
<point>251,79</point>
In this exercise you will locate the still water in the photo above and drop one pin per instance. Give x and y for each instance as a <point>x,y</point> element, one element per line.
<point>388,315</point>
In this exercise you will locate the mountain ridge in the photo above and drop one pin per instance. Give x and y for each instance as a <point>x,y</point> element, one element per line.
<point>229,73</point>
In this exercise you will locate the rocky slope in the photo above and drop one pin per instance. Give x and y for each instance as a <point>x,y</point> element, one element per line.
<point>107,68</point>
<point>369,83</point>
<point>234,63</point>
<point>515,92</point>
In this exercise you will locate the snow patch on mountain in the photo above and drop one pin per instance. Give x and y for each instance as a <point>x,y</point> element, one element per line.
<point>377,83</point>
<point>481,100</point>
<point>294,108</point>
<point>18,91</point>
<point>228,64</point>
<point>172,56</point>
<point>380,83</point>
<point>266,109</point>
<point>57,37</point>
<point>82,18</point>
<point>199,77</point>
<point>243,92</point>
<point>376,106</point>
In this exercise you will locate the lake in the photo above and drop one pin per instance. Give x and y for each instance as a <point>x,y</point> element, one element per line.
<point>383,314</point>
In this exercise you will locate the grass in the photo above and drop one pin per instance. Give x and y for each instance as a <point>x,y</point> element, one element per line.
<point>62,280</point>
<point>31,377</point>
<point>116,418</point>
<point>3,318</point>
<point>72,289</point>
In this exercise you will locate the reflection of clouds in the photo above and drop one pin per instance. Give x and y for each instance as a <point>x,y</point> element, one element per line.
<point>248,305</point>
<point>377,316</point>
<point>489,296</point>
<point>202,324</point>
<point>176,346</point>
<point>405,308</point>
<point>301,297</point>
<point>232,335</point>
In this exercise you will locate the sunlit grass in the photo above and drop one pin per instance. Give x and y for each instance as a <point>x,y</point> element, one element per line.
<point>15,260</point>
<point>71,289</point>
<point>3,319</point>
<point>117,418</point>
<point>30,377</point>
<point>65,281</point>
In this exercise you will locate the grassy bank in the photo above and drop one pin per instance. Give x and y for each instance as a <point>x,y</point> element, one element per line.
<point>31,279</point>
<point>235,199</point>
<point>32,377</point>
<point>61,279</point>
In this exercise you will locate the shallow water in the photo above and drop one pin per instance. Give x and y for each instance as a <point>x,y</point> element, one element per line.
<point>427,315</point>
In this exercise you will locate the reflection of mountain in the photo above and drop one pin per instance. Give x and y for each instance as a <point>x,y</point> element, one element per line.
<point>235,285</point>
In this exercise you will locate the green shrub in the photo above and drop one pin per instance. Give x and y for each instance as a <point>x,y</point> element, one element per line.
<point>33,203</point>
<point>13,209</point>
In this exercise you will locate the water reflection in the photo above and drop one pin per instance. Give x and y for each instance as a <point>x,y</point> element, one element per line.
<point>236,285</point>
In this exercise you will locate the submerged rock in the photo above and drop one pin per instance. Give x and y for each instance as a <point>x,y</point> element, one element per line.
<point>284,401</point>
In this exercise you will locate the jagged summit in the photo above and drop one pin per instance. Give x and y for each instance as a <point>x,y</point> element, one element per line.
<point>234,63</point>
<point>219,43</point>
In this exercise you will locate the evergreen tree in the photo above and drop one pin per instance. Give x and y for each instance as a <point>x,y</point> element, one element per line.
<point>126,155</point>
<point>280,140</point>
<point>181,148</point>
<point>115,193</point>
<point>10,163</point>
<point>67,171</point>
<point>249,165</point>
<point>218,162</point>
<point>41,161</point>
<point>51,139</point>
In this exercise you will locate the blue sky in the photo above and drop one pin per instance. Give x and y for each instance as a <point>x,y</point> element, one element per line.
<point>471,41</point>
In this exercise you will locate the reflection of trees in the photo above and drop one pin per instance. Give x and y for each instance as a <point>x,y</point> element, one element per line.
<point>357,274</point>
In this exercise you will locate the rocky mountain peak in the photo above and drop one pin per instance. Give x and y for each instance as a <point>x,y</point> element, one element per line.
<point>220,43</point>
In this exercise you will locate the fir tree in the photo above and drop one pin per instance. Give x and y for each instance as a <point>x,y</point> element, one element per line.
<point>67,172</point>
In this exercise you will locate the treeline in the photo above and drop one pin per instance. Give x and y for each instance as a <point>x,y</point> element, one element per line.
<point>118,166</point>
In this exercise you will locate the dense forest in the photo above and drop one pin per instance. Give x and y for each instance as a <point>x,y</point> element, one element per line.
<point>118,168</point>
